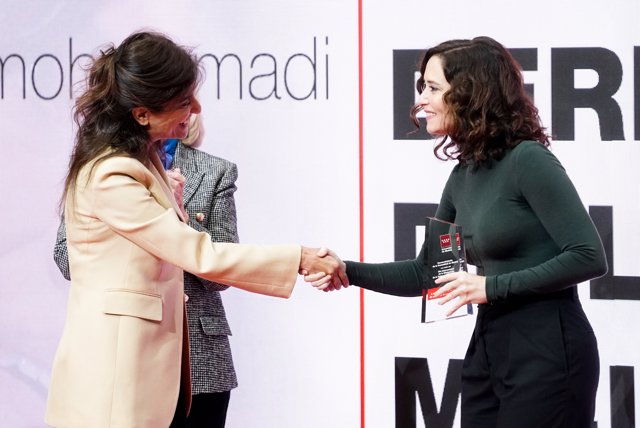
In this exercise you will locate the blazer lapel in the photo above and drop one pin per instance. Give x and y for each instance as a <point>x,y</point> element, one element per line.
<point>189,168</point>
<point>191,184</point>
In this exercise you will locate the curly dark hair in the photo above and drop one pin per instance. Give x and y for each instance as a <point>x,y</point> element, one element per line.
<point>489,109</point>
<point>147,70</point>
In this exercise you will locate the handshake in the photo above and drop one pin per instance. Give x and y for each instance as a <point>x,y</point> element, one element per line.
<point>323,269</point>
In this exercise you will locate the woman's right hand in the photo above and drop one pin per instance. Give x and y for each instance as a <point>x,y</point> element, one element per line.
<point>330,269</point>
<point>326,282</point>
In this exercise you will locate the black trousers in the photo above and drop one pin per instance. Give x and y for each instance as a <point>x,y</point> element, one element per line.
<point>180,416</point>
<point>208,410</point>
<point>531,365</point>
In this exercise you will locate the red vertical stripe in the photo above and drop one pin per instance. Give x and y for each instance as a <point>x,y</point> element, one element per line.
<point>361,192</point>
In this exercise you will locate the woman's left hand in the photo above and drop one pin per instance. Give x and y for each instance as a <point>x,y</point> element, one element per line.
<point>176,182</point>
<point>467,287</point>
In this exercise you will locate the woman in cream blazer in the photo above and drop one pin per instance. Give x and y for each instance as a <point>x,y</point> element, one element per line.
<point>123,358</point>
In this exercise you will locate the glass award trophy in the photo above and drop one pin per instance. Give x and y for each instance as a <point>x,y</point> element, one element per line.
<point>443,254</point>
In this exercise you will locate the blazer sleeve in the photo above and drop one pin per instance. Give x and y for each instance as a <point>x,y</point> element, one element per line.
<point>60,253</point>
<point>121,198</point>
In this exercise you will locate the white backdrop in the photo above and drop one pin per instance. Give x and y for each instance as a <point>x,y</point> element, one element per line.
<point>299,361</point>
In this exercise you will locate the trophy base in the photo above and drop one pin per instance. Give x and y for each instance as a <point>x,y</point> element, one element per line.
<point>433,311</point>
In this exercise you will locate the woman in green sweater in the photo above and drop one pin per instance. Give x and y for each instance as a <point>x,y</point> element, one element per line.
<point>533,358</point>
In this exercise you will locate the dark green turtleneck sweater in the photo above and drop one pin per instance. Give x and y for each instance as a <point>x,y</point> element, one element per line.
<point>524,225</point>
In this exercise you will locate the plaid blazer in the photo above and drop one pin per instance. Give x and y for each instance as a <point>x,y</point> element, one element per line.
<point>208,199</point>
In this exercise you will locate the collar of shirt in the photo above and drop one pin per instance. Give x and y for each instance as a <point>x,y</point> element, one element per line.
<point>169,152</point>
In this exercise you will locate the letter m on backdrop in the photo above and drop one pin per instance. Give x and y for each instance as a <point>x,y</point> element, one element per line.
<point>413,383</point>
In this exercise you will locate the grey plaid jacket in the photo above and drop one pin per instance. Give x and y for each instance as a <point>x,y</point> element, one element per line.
<point>208,199</point>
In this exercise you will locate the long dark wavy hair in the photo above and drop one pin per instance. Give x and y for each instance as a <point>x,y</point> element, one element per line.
<point>489,111</point>
<point>147,70</point>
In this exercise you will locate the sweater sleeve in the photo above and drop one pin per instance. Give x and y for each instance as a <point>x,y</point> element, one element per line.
<point>403,278</point>
<point>554,200</point>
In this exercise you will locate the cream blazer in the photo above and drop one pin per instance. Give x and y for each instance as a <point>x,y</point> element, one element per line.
<point>124,348</point>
